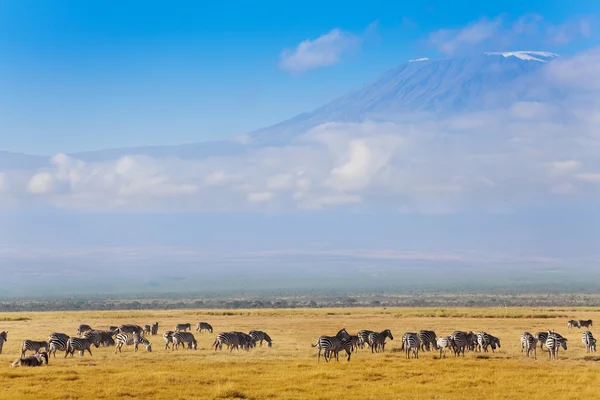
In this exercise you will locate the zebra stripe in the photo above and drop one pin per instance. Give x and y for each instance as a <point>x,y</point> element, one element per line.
<point>485,340</point>
<point>129,339</point>
<point>183,327</point>
<point>588,340</point>
<point>183,338</point>
<point>443,344</point>
<point>130,328</point>
<point>32,345</point>
<point>529,344</point>
<point>260,336</point>
<point>3,338</point>
<point>461,341</point>
<point>147,330</point>
<point>404,339</point>
<point>573,324</point>
<point>81,344</point>
<point>230,339</point>
<point>411,344</point>
<point>246,341</point>
<point>327,344</point>
<point>204,326</point>
<point>428,340</point>
<point>83,328</point>
<point>377,340</point>
<point>541,338</point>
<point>363,337</point>
<point>57,343</point>
<point>554,343</point>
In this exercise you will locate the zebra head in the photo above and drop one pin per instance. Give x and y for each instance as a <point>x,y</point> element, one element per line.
<point>4,336</point>
<point>388,333</point>
<point>496,342</point>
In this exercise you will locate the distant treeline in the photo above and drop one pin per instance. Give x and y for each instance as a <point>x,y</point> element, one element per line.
<point>322,301</point>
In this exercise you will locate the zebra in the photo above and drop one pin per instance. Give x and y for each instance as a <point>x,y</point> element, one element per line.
<point>154,329</point>
<point>231,339</point>
<point>573,324</point>
<point>333,344</point>
<point>428,340</point>
<point>81,344</point>
<point>260,336</point>
<point>83,328</point>
<point>484,340</point>
<point>461,341</point>
<point>377,340</point>
<point>585,323</point>
<point>411,344</point>
<point>246,341</point>
<point>57,343</point>
<point>183,327</point>
<point>588,340</point>
<point>443,343</point>
<point>168,337</point>
<point>130,328</point>
<point>363,337</point>
<point>541,338</point>
<point>183,338</point>
<point>204,326</point>
<point>529,344</point>
<point>111,328</point>
<point>34,360</point>
<point>404,339</point>
<point>554,343</point>
<point>3,338</point>
<point>100,337</point>
<point>34,346</point>
<point>354,342</point>
<point>131,339</point>
<point>147,330</point>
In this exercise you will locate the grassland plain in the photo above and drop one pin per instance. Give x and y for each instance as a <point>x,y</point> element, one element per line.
<point>289,370</point>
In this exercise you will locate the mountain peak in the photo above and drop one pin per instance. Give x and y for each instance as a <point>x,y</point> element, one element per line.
<point>541,56</point>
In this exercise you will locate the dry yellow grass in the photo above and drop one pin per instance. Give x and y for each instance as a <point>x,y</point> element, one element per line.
<point>290,370</point>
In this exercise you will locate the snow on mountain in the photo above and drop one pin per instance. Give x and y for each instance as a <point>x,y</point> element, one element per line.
<point>541,56</point>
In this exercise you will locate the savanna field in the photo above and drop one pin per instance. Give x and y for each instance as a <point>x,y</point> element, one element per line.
<point>289,370</point>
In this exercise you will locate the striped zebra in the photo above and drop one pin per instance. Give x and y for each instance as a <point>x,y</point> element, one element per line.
<point>573,324</point>
<point>328,344</point>
<point>181,338</point>
<point>585,323</point>
<point>231,339</point>
<point>461,341</point>
<point>404,339</point>
<point>363,337</point>
<point>541,338</point>
<point>154,329</point>
<point>260,336</point>
<point>103,338</point>
<point>168,337</point>
<point>183,327</point>
<point>32,345</point>
<point>57,344</point>
<point>128,339</point>
<point>354,342</point>
<point>3,338</point>
<point>246,341</point>
<point>554,343</point>
<point>588,340</point>
<point>428,340</point>
<point>147,330</point>
<point>411,344</point>
<point>204,326</point>
<point>485,340</point>
<point>34,360</point>
<point>443,344</point>
<point>130,328</point>
<point>377,340</point>
<point>529,344</point>
<point>472,341</point>
<point>83,328</point>
<point>81,344</point>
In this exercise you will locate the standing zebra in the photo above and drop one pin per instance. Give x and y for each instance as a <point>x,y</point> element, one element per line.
<point>168,337</point>
<point>204,326</point>
<point>57,343</point>
<point>246,341</point>
<point>363,337</point>
<point>588,340</point>
<point>428,340</point>
<point>83,328</point>
<point>377,340</point>
<point>34,346</point>
<point>484,340</point>
<point>129,339</point>
<point>411,344</point>
<point>443,344</point>
<point>260,336</point>
<point>181,338</point>
<point>230,339</point>
<point>3,338</point>
<point>81,344</point>
<point>183,327</point>
<point>461,342</point>
<point>154,329</point>
<point>554,343</point>
<point>34,360</point>
<point>333,344</point>
<point>529,344</point>
<point>147,330</point>
<point>541,338</point>
<point>585,323</point>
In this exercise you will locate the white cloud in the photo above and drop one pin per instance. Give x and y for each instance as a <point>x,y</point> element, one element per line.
<point>41,183</point>
<point>593,177</point>
<point>324,51</point>
<point>450,41</point>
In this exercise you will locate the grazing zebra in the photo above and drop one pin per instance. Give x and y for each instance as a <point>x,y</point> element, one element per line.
<point>183,327</point>
<point>183,338</point>
<point>461,341</point>
<point>411,344</point>
<point>260,336</point>
<point>57,343</point>
<point>529,344</point>
<point>34,346</point>
<point>472,341</point>
<point>81,344</point>
<point>428,340</point>
<point>129,339</point>
<point>377,340</point>
<point>363,337</point>
<point>333,344</point>
<point>246,341</point>
<point>83,328</point>
<point>204,326</point>
<point>443,344</point>
<point>154,329</point>
<point>231,339</point>
<point>147,330</point>
<point>541,338</point>
<point>168,337</point>
<point>554,343</point>
<point>3,338</point>
<point>585,323</point>
<point>484,340</point>
<point>588,340</point>
<point>573,324</point>
<point>34,360</point>
<point>130,328</point>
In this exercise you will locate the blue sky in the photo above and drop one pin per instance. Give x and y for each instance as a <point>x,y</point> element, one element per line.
<point>100,74</point>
